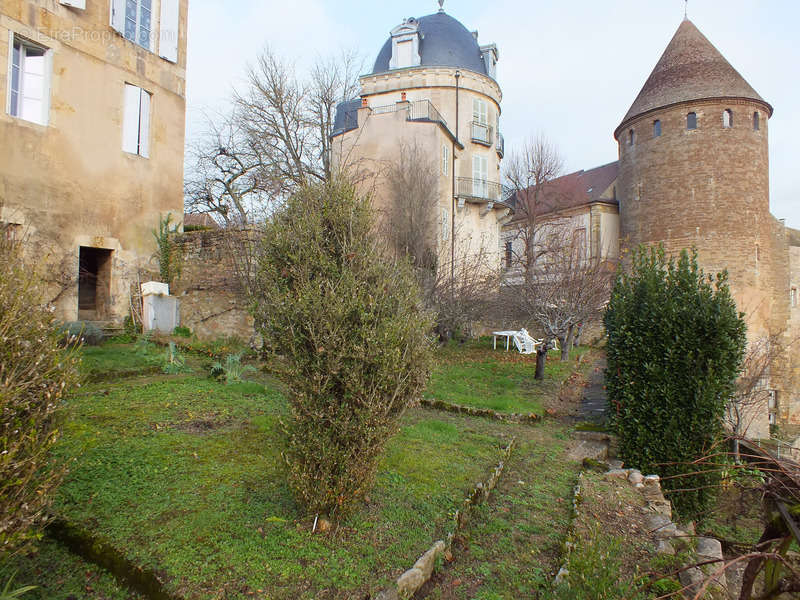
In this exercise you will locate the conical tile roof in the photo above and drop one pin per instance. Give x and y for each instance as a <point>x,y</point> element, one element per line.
<point>691,68</point>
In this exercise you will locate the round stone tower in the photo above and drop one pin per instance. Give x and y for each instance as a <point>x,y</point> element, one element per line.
<point>694,171</point>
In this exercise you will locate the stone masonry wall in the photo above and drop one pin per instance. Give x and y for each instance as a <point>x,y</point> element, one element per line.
<point>213,304</point>
<point>709,188</point>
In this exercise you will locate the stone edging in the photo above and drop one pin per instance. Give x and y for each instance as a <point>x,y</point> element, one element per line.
<point>529,419</point>
<point>413,579</point>
<point>661,526</point>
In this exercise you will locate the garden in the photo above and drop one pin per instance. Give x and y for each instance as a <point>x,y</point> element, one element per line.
<point>179,477</point>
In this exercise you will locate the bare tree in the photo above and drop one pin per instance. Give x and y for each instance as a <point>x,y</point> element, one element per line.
<point>224,176</point>
<point>275,139</point>
<point>412,215</point>
<point>562,290</point>
<point>528,174</point>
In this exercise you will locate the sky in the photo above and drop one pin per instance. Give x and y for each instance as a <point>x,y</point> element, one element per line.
<point>569,70</point>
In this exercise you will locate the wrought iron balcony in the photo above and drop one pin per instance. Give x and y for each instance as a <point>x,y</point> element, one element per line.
<point>419,111</point>
<point>478,190</point>
<point>482,133</point>
<point>500,146</point>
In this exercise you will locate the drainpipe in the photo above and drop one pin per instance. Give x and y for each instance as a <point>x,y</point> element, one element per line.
<point>453,197</point>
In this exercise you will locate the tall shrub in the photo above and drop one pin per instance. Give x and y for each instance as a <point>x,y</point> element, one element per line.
<point>675,347</point>
<point>35,374</point>
<point>348,322</point>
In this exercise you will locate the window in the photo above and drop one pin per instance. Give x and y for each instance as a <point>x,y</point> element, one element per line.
<point>656,128</point>
<point>405,51</point>
<point>631,137</point>
<point>29,89</point>
<point>727,118</point>
<point>136,121</point>
<point>445,160</point>
<point>793,297</point>
<point>445,224</point>
<point>756,121</point>
<point>138,22</point>
<point>509,254</point>
<point>691,121</point>
<point>480,122</point>
<point>480,112</point>
<point>480,177</point>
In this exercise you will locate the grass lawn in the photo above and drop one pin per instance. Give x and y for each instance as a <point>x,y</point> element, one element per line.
<point>473,374</point>
<point>184,476</point>
<point>512,548</point>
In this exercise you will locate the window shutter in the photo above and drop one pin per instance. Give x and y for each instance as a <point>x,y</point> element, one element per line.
<point>169,35</point>
<point>130,119</point>
<point>117,18</point>
<point>144,125</point>
<point>75,3</point>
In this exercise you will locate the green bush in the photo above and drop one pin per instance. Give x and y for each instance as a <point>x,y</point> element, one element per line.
<point>348,322</point>
<point>81,333</point>
<point>182,332</point>
<point>675,347</point>
<point>35,374</point>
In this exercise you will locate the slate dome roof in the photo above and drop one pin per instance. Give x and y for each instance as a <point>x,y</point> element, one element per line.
<point>691,68</point>
<point>445,43</point>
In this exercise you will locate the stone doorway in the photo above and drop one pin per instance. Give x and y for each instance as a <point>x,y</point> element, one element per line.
<point>94,284</point>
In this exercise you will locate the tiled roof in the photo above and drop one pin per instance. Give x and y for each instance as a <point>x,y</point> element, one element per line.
<point>199,220</point>
<point>576,189</point>
<point>691,68</point>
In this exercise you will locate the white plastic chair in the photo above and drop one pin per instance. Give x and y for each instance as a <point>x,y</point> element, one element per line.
<point>525,343</point>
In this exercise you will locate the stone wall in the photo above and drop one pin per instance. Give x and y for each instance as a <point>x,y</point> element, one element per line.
<point>709,188</point>
<point>213,303</point>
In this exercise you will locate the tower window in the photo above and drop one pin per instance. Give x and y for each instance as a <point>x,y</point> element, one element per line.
<point>756,121</point>
<point>656,128</point>
<point>631,137</point>
<point>793,297</point>
<point>727,118</point>
<point>509,254</point>
<point>691,121</point>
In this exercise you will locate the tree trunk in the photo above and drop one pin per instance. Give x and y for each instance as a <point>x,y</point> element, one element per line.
<point>541,359</point>
<point>566,343</point>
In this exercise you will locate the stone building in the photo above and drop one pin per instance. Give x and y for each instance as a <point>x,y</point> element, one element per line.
<point>433,89</point>
<point>693,171</point>
<point>93,137</point>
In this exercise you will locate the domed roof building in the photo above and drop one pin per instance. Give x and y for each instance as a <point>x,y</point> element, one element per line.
<point>431,102</point>
<point>443,42</point>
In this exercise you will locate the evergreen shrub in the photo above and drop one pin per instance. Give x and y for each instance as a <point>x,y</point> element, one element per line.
<point>675,348</point>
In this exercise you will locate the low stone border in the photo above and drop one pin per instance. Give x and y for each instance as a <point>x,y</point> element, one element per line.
<point>480,412</point>
<point>93,549</point>
<point>668,536</point>
<point>418,575</point>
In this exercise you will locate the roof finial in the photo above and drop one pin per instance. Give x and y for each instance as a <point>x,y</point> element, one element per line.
<point>686,11</point>
<point>441,6</point>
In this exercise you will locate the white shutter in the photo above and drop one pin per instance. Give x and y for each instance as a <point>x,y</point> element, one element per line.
<point>169,33</point>
<point>445,224</point>
<point>130,119</point>
<point>75,3</point>
<point>117,18</point>
<point>144,125</point>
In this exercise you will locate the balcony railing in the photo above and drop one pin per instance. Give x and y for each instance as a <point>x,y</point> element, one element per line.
<point>419,110</point>
<point>500,146</point>
<point>478,189</point>
<point>481,133</point>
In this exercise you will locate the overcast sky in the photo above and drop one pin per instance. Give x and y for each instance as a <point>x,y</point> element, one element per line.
<point>570,69</point>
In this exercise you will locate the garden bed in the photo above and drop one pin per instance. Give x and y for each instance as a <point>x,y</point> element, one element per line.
<point>184,477</point>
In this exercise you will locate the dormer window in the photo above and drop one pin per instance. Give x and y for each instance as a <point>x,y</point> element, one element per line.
<point>490,57</point>
<point>405,45</point>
